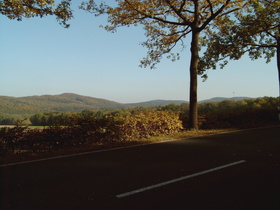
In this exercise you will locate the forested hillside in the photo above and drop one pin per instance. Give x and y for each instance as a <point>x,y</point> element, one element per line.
<point>53,109</point>
<point>62,103</point>
<point>67,102</point>
<point>17,108</point>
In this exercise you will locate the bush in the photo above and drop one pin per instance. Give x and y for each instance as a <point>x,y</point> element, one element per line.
<point>14,139</point>
<point>150,123</point>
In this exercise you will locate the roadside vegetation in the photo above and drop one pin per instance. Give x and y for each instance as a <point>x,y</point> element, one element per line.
<point>64,133</point>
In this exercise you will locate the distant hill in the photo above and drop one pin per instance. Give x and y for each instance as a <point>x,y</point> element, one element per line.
<point>58,103</point>
<point>155,103</point>
<point>224,98</point>
<point>68,102</point>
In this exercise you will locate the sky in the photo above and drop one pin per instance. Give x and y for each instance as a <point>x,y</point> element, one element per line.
<point>40,57</point>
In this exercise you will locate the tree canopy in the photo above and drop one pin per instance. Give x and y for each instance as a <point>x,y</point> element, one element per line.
<point>19,9</point>
<point>256,33</point>
<point>167,23</point>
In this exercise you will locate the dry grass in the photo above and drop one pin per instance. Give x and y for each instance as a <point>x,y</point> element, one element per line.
<point>189,134</point>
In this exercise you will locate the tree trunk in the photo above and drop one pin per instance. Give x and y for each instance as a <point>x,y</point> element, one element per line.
<point>193,116</point>
<point>278,62</point>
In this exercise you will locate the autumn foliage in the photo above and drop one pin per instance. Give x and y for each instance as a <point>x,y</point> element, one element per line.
<point>90,130</point>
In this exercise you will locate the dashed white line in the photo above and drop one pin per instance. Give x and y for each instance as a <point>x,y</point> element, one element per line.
<point>178,179</point>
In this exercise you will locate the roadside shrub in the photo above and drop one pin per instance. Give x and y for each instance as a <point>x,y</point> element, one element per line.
<point>150,123</point>
<point>34,140</point>
<point>13,139</point>
<point>3,147</point>
<point>85,131</point>
<point>230,113</point>
<point>244,119</point>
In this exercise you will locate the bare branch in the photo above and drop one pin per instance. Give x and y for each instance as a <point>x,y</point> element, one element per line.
<point>263,45</point>
<point>211,6</point>
<point>182,6</point>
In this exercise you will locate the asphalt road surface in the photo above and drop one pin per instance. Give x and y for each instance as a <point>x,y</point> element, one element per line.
<point>237,170</point>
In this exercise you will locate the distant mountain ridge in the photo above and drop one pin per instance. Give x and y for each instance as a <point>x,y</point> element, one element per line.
<point>154,103</point>
<point>223,99</point>
<point>68,102</point>
<point>58,103</point>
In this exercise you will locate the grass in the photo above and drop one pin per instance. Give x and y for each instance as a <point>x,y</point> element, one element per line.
<point>188,134</point>
<point>36,127</point>
<point>9,126</point>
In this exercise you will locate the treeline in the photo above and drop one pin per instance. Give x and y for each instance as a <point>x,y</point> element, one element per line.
<point>244,113</point>
<point>15,119</point>
<point>227,113</point>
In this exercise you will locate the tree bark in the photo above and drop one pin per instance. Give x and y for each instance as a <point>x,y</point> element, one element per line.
<point>193,115</point>
<point>278,62</point>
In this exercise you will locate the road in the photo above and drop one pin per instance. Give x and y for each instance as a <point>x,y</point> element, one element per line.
<point>237,170</point>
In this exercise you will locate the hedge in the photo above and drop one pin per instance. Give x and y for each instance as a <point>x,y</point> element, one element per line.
<point>88,131</point>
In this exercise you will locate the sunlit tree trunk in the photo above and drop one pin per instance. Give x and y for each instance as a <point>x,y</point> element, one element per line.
<point>193,116</point>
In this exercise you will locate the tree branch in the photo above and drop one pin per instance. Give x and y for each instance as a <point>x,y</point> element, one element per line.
<point>214,15</point>
<point>264,45</point>
<point>182,6</point>
<point>154,17</point>
<point>211,6</point>
<point>178,12</point>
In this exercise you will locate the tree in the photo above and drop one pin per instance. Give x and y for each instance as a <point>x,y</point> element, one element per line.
<point>168,22</point>
<point>17,9</point>
<point>256,32</point>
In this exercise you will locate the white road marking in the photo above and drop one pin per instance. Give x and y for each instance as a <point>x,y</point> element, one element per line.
<point>178,179</point>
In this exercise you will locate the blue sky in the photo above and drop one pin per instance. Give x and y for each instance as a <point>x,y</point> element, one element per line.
<point>40,57</point>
